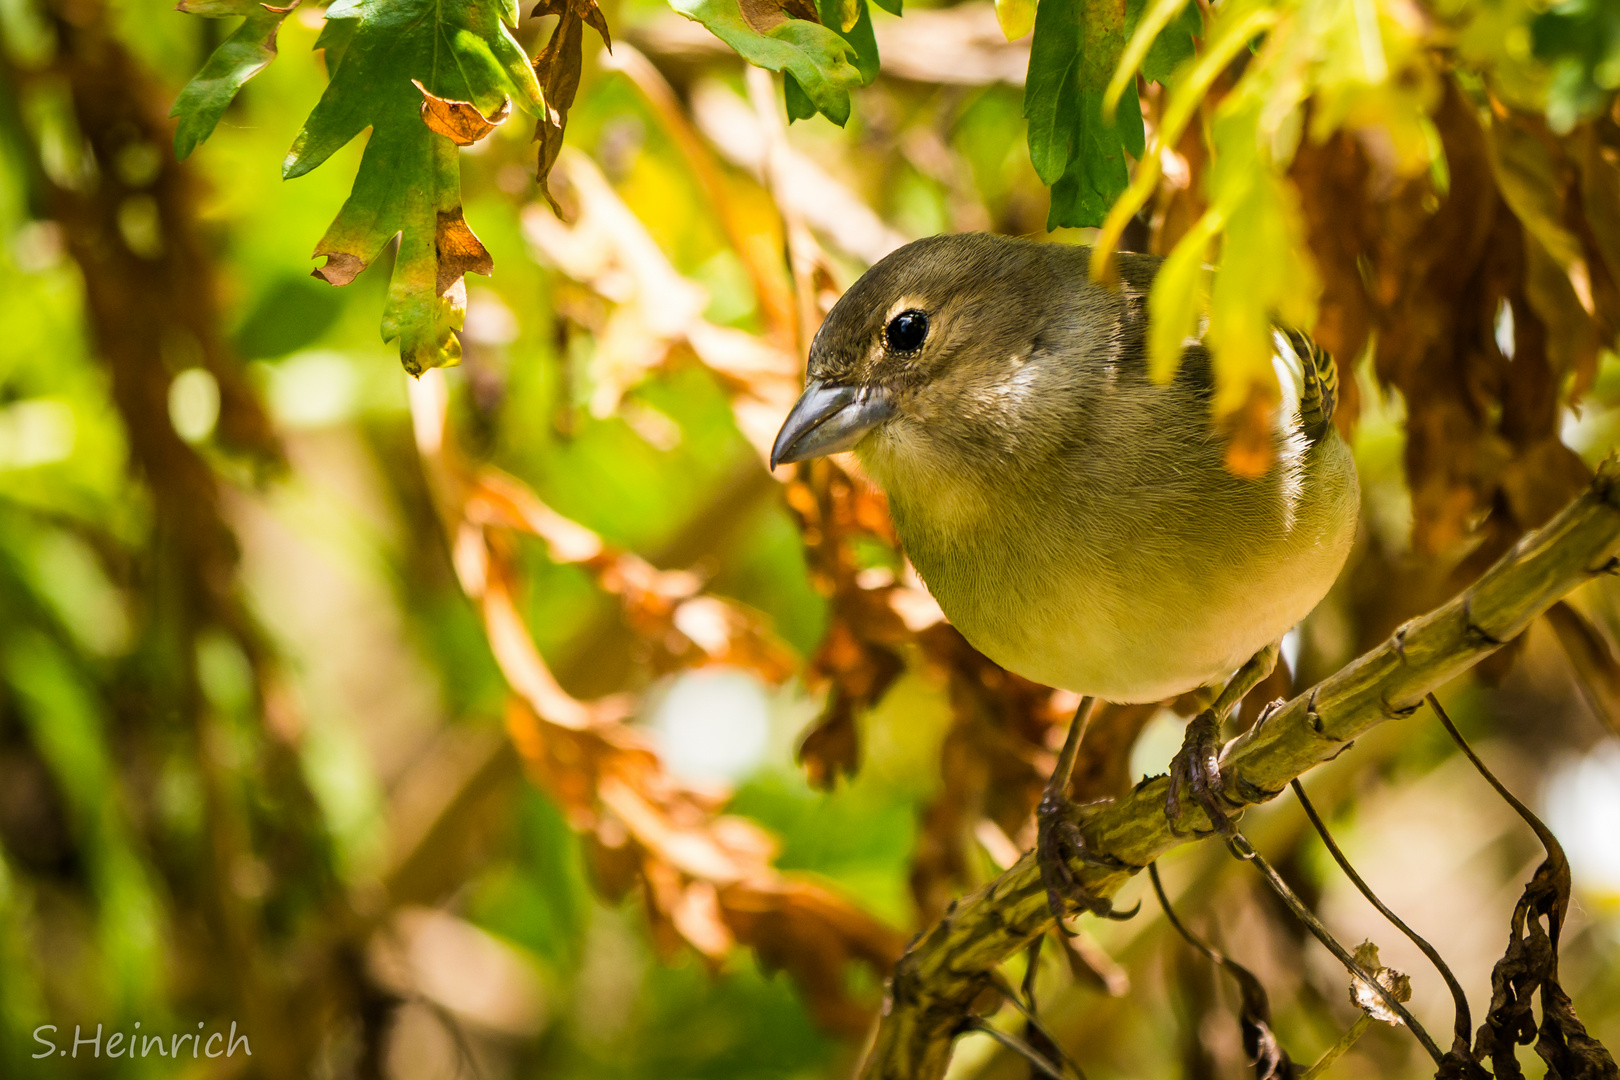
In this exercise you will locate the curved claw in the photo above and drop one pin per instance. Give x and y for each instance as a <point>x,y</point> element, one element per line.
<point>1114,914</point>
<point>1057,839</point>
<point>1197,769</point>
<point>1051,846</point>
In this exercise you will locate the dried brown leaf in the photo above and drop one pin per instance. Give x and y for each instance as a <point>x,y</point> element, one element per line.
<point>705,879</point>
<point>558,69</point>
<point>1530,965</point>
<point>340,268</point>
<point>766,15</point>
<point>1394,983</point>
<point>460,253</point>
<point>1271,1061</point>
<point>814,935</point>
<point>459,121</point>
<point>858,659</point>
<point>1600,218</point>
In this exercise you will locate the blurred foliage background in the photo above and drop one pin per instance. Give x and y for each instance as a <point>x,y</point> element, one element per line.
<point>448,727</point>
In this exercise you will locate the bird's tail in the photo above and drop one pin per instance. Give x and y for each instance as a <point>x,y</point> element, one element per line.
<point>1320,394</point>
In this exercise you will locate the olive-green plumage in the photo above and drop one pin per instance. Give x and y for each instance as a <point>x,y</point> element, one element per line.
<point>1074,519</point>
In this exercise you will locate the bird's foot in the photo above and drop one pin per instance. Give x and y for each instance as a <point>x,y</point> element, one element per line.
<point>1196,770</point>
<point>1057,840</point>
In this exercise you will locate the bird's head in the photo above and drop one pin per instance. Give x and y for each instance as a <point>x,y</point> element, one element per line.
<point>933,349</point>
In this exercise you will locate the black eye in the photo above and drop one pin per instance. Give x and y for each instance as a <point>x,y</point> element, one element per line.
<point>907,331</point>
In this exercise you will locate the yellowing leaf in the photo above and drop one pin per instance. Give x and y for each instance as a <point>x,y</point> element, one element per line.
<point>1176,302</point>
<point>1016,17</point>
<point>1154,19</point>
<point>1265,276</point>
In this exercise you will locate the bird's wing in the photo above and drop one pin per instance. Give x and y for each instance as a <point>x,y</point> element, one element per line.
<point>1320,393</point>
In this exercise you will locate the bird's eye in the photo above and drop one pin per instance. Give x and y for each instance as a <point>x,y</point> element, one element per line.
<point>907,331</point>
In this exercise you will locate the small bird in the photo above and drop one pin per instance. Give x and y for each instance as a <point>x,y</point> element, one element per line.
<point>1074,519</point>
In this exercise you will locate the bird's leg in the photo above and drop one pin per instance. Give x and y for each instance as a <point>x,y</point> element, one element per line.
<point>1196,768</point>
<point>1057,837</point>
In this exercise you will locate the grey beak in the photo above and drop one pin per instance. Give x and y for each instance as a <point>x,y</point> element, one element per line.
<point>827,419</point>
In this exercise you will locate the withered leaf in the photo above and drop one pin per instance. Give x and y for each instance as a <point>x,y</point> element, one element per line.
<point>1570,1053</point>
<point>1251,447</point>
<point>858,657</point>
<point>459,121</point>
<point>807,931</point>
<point>1530,965</point>
<point>341,267</point>
<point>460,253</point>
<point>763,16</point>
<point>585,9</point>
<point>558,67</point>
<point>1271,1061</point>
<point>1600,195</point>
<point>1394,983</point>
<point>831,748</point>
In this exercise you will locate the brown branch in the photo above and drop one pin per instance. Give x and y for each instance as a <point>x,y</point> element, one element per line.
<point>935,983</point>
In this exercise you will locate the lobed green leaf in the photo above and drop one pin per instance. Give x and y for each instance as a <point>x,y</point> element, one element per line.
<point>409,181</point>
<point>823,64</point>
<point>242,55</point>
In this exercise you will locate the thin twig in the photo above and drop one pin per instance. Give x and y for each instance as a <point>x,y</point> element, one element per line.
<point>1351,1036</point>
<point>1032,967</point>
<point>1544,834</point>
<point>1175,920</point>
<point>1017,1046</point>
<point>1244,850</point>
<point>1463,1024</point>
<point>1027,1011</point>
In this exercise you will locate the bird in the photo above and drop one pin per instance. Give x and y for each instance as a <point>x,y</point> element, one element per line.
<point>1074,518</point>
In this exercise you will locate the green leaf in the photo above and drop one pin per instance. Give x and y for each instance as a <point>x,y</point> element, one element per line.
<point>1015,17</point>
<point>799,105</point>
<point>1173,46</point>
<point>1177,299</point>
<point>409,182</point>
<point>1072,146</point>
<point>1096,173</point>
<point>1580,44</point>
<point>458,49</point>
<point>223,9</point>
<point>1049,88</point>
<point>859,35</point>
<point>242,55</point>
<point>891,6</point>
<point>820,60</point>
<point>334,38</point>
<point>1128,121</point>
